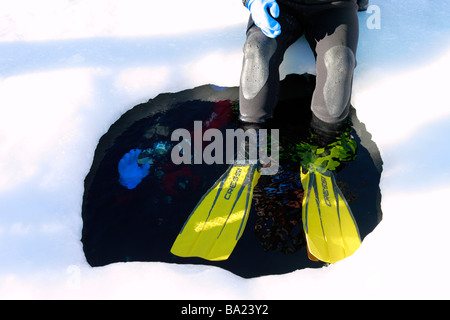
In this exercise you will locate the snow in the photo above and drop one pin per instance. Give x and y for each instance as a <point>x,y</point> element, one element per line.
<point>70,68</point>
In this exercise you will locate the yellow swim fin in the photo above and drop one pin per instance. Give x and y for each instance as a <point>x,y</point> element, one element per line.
<point>331,231</point>
<point>218,221</point>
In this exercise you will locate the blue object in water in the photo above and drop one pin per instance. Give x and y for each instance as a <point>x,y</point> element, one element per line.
<point>131,173</point>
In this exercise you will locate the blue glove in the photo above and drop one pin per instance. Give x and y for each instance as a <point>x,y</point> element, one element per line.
<point>263,14</point>
<point>131,174</point>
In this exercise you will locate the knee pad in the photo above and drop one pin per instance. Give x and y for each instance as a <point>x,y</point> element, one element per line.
<point>340,63</point>
<point>258,50</point>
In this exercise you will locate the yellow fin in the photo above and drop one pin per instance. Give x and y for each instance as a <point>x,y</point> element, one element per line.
<point>331,231</point>
<point>218,221</point>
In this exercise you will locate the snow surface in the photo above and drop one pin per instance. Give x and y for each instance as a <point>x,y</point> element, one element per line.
<point>70,68</point>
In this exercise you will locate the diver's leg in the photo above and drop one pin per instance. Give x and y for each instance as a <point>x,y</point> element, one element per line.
<point>333,35</point>
<point>260,78</point>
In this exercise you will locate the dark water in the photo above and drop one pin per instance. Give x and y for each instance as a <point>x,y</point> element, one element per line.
<point>121,225</point>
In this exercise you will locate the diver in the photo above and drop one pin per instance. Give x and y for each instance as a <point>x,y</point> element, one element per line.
<point>331,29</point>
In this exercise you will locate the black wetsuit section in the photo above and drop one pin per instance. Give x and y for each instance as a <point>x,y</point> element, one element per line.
<point>332,31</point>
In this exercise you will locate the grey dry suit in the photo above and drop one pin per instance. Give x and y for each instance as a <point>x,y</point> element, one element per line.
<point>331,29</point>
